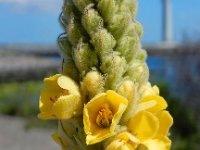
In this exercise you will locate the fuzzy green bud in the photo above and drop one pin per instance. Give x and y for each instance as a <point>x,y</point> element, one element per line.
<point>69,69</point>
<point>118,25</point>
<point>138,72</point>
<point>75,33</point>
<point>84,57</point>
<point>81,4</point>
<point>69,10</point>
<point>103,41</point>
<point>91,20</point>
<point>141,55</point>
<point>105,12</point>
<point>114,67</point>
<point>138,29</point>
<point>71,134</point>
<point>65,47</point>
<point>133,8</point>
<point>128,46</point>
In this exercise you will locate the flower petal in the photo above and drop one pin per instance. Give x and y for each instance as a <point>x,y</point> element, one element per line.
<point>144,125</point>
<point>115,99</point>
<point>145,106</point>
<point>67,83</point>
<point>45,115</point>
<point>45,102</point>
<point>165,122</point>
<point>67,106</point>
<point>158,144</point>
<point>160,102</point>
<point>98,137</point>
<point>123,141</point>
<point>50,82</point>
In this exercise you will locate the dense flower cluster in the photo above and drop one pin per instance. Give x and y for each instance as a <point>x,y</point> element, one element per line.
<point>103,99</point>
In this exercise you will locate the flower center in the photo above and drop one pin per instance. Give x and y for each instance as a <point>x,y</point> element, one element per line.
<point>62,93</point>
<point>104,117</point>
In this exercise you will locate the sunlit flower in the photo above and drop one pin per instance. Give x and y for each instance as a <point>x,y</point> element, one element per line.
<point>101,116</point>
<point>60,98</point>
<point>151,124</point>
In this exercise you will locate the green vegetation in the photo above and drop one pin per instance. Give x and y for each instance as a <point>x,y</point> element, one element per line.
<point>21,99</point>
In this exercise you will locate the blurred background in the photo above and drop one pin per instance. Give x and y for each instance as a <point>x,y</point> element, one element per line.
<point>29,52</point>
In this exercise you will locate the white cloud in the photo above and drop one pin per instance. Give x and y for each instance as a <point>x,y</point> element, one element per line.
<point>50,6</point>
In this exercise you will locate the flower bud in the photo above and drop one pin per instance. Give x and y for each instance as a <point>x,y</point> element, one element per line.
<point>70,10</point>
<point>133,7</point>
<point>115,71</point>
<point>92,84</point>
<point>119,25</point>
<point>106,13</point>
<point>141,55</point>
<point>69,69</point>
<point>138,29</point>
<point>65,47</point>
<point>67,131</point>
<point>103,42</point>
<point>138,71</point>
<point>128,47</point>
<point>91,20</point>
<point>147,89</point>
<point>75,32</point>
<point>81,4</point>
<point>84,57</point>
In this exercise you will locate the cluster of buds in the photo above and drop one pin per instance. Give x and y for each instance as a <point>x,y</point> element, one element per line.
<point>102,98</point>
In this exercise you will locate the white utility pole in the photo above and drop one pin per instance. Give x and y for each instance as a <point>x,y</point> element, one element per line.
<point>167,21</point>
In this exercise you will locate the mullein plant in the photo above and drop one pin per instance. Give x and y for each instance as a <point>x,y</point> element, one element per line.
<point>102,99</point>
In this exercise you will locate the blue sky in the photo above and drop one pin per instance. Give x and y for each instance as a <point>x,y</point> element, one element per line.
<point>35,21</point>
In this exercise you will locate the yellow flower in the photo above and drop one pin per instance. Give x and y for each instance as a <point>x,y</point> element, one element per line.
<point>151,124</point>
<point>60,98</point>
<point>123,141</point>
<point>151,130</point>
<point>101,116</point>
